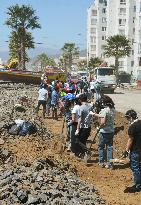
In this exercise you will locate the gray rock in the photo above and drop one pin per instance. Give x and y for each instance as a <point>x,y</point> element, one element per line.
<point>2,141</point>
<point>22,196</point>
<point>33,199</point>
<point>6,181</point>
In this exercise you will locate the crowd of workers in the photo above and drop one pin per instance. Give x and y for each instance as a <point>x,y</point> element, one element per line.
<point>81,104</point>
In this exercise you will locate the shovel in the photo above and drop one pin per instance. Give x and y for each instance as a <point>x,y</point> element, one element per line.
<point>62,130</point>
<point>87,150</point>
<point>117,160</point>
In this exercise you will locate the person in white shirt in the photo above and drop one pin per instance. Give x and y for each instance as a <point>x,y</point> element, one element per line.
<point>42,99</point>
<point>73,125</point>
<point>92,88</point>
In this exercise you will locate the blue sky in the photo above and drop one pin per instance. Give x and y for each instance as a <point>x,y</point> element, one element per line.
<point>61,21</point>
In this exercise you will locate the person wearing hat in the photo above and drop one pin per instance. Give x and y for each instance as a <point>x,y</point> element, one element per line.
<point>134,148</point>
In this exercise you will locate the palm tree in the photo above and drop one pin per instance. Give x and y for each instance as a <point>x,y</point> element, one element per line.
<point>94,62</point>
<point>70,52</point>
<point>118,46</point>
<point>22,18</point>
<point>82,65</point>
<point>14,45</point>
<point>44,61</point>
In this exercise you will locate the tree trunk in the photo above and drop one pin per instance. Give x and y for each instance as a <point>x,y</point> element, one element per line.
<point>116,67</point>
<point>22,54</point>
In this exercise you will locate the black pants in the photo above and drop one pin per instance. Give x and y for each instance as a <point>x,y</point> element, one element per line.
<point>43,103</point>
<point>84,133</point>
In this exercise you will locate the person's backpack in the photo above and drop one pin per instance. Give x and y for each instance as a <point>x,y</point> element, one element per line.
<point>14,129</point>
<point>27,128</point>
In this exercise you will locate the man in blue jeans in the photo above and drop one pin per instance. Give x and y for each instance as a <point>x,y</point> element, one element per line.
<point>134,147</point>
<point>106,131</point>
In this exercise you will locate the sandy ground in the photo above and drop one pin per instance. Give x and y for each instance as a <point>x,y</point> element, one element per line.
<point>110,183</point>
<point>126,99</point>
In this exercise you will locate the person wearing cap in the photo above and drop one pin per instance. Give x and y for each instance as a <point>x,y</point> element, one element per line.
<point>134,148</point>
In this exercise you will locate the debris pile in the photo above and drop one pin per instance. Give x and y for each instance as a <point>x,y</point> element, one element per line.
<point>46,181</point>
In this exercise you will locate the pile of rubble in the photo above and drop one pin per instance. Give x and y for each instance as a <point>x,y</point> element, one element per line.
<point>46,181</point>
<point>41,179</point>
<point>10,96</point>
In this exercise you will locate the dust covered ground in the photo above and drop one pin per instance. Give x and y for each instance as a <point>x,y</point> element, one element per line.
<point>110,183</point>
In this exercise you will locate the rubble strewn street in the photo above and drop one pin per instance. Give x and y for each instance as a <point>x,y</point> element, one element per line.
<point>34,178</point>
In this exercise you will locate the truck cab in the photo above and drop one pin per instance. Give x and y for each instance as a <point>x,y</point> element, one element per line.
<point>106,75</point>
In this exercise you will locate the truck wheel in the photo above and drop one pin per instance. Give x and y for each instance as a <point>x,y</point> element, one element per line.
<point>112,91</point>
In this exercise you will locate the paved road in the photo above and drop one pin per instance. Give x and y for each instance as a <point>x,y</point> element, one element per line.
<point>127,99</point>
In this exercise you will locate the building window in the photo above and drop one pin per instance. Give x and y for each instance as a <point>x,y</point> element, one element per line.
<point>132,63</point>
<point>103,28</point>
<point>132,52</point>
<point>123,2</point>
<point>93,21</point>
<point>139,20</point>
<point>140,6</point>
<point>93,30</point>
<point>139,48</point>
<point>134,19</point>
<point>104,10</point>
<point>134,9</point>
<point>103,38</point>
<point>140,34</point>
<point>105,3</point>
<point>122,22</point>
<point>93,55</point>
<point>93,39</point>
<point>122,11</point>
<point>102,47</point>
<point>104,20</point>
<point>94,12</point>
<point>133,41</point>
<point>122,32</point>
<point>93,47</point>
<point>121,63</point>
<point>139,61</point>
<point>133,30</point>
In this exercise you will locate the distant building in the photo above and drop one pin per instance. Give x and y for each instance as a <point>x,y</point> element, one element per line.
<point>111,17</point>
<point>1,61</point>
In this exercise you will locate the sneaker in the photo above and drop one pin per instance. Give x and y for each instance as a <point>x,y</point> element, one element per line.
<point>109,166</point>
<point>132,189</point>
<point>101,164</point>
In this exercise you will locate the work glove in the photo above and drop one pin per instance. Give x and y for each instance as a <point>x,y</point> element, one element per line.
<point>91,113</point>
<point>76,132</point>
<point>69,124</point>
<point>125,154</point>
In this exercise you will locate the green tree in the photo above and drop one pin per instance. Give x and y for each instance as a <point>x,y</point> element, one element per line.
<point>21,19</point>
<point>82,65</point>
<point>94,62</point>
<point>118,46</point>
<point>14,45</point>
<point>44,61</point>
<point>70,52</point>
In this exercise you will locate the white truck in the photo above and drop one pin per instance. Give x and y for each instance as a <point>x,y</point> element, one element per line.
<point>106,75</point>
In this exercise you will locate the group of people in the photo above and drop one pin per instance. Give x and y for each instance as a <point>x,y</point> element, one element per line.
<point>73,102</point>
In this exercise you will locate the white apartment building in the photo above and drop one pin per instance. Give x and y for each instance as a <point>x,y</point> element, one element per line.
<point>111,17</point>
